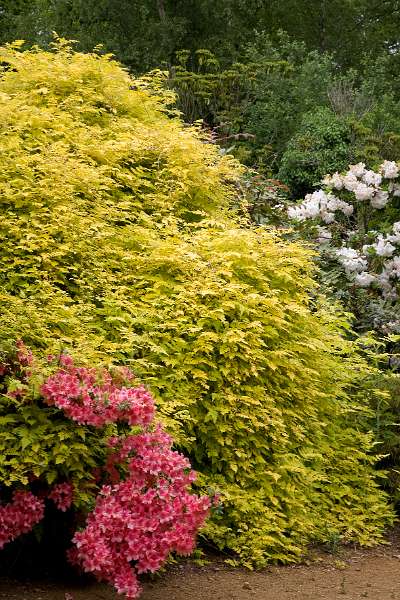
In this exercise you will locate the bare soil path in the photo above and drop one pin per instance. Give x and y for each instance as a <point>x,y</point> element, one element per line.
<point>351,574</point>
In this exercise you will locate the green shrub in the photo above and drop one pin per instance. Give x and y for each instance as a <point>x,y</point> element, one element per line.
<point>385,424</point>
<point>321,145</point>
<point>117,241</point>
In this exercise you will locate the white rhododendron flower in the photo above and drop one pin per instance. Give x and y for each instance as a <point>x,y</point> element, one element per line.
<point>327,217</point>
<point>337,181</point>
<point>396,266</point>
<point>364,279</point>
<point>295,212</point>
<point>351,260</point>
<point>319,204</point>
<point>347,252</point>
<point>363,192</point>
<point>392,267</point>
<point>327,180</point>
<point>383,278</point>
<point>358,170</point>
<point>380,199</point>
<point>347,209</point>
<point>383,247</point>
<point>324,235</point>
<point>350,181</point>
<point>334,204</point>
<point>395,236</point>
<point>372,178</point>
<point>389,169</point>
<point>311,206</point>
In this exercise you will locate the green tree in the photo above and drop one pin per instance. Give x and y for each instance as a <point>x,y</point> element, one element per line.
<point>144,33</point>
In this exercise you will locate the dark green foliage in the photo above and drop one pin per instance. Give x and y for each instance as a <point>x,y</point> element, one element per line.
<point>282,97</point>
<point>321,145</point>
<point>255,106</point>
<point>258,107</point>
<point>144,33</point>
<point>385,423</point>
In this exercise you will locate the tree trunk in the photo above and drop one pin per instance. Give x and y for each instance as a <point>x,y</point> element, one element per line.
<point>161,10</point>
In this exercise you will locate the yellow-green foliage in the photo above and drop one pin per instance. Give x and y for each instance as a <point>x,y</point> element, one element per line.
<point>117,242</point>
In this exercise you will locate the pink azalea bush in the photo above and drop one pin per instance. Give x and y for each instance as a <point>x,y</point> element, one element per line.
<point>143,506</point>
<point>144,517</point>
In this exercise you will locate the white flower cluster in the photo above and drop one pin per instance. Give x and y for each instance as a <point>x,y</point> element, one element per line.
<point>351,260</point>
<point>365,184</point>
<point>376,263</point>
<point>356,263</point>
<point>320,204</point>
<point>389,169</point>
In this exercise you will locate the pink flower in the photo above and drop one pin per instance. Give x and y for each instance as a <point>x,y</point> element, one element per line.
<point>62,495</point>
<point>19,516</point>
<point>90,399</point>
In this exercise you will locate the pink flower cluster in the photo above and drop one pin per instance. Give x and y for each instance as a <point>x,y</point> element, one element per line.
<point>146,509</point>
<point>140,520</point>
<point>19,516</point>
<point>62,495</point>
<point>94,397</point>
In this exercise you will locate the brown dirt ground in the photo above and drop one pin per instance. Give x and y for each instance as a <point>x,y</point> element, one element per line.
<point>351,574</point>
